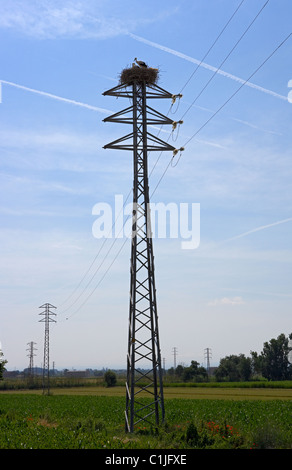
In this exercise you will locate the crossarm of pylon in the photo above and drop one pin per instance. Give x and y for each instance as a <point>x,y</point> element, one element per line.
<point>155,91</point>
<point>163,145</point>
<point>121,116</point>
<point>114,143</point>
<point>160,118</point>
<point>119,91</point>
<point>157,145</point>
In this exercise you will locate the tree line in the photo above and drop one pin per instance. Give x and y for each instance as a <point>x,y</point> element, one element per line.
<point>272,364</point>
<point>2,364</point>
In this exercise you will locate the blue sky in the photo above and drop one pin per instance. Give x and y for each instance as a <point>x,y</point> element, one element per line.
<point>232,293</point>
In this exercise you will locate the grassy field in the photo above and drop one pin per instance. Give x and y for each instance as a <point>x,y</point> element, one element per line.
<point>213,393</point>
<point>196,418</point>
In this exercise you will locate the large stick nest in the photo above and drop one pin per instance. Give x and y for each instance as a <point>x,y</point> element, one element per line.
<point>139,74</point>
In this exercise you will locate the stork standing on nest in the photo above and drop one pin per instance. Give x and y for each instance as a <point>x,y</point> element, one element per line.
<point>140,63</point>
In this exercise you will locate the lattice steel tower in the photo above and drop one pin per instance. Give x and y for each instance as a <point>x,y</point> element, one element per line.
<point>208,355</point>
<point>46,365</point>
<point>144,371</point>
<point>31,355</point>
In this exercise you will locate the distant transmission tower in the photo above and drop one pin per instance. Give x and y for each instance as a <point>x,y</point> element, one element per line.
<point>31,355</point>
<point>47,319</point>
<point>174,351</point>
<point>208,355</point>
<point>144,371</point>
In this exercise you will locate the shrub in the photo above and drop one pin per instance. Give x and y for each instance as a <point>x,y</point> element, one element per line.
<point>110,378</point>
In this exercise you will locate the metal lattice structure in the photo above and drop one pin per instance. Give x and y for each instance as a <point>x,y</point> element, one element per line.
<point>31,355</point>
<point>208,355</point>
<point>47,319</point>
<point>144,371</point>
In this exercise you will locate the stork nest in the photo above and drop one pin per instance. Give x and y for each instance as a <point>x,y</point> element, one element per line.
<point>139,74</point>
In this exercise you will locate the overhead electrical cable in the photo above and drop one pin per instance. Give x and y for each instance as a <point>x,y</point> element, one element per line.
<point>216,71</point>
<point>200,63</point>
<point>211,47</point>
<point>169,164</point>
<point>101,279</point>
<point>213,115</point>
<point>228,55</point>
<point>241,86</point>
<point>231,97</point>
<point>96,256</point>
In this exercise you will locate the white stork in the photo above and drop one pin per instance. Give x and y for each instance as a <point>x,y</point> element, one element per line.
<point>140,63</point>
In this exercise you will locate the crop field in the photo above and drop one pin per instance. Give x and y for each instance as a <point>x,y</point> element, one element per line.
<point>94,419</point>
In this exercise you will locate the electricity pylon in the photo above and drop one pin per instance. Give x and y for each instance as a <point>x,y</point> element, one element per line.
<point>31,355</point>
<point>144,371</point>
<point>174,352</point>
<point>208,355</point>
<point>46,365</point>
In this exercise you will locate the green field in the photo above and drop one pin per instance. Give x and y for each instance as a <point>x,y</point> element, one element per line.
<point>196,417</point>
<point>215,393</point>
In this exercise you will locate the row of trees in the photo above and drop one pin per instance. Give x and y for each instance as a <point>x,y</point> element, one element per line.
<point>192,373</point>
<point>2,365</point>
<point>272,364</point>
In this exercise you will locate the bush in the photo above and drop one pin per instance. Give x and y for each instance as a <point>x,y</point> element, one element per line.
<point>110,378</point>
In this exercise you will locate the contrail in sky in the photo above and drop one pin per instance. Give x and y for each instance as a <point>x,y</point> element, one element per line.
<point>59,98</point>
<point>206,66</point>
<point>259,228</point>
<point>64,100</point>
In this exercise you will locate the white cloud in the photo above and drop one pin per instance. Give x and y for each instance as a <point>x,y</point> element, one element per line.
<point>52,138</point>
<point>47,19</point>
<point>226,301</point>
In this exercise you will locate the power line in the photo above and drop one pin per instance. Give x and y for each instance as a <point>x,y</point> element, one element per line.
<point>95,258</point>
<point>241,86</point>
<point>209,50</point>
<point>228,55</point>
<point>154,166</point>
<point>200,63</point>
<point>199,130</point>
<point>228,100</point>
<point>97,285</point>
<point>187,142</point>
<point>218,68</point>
